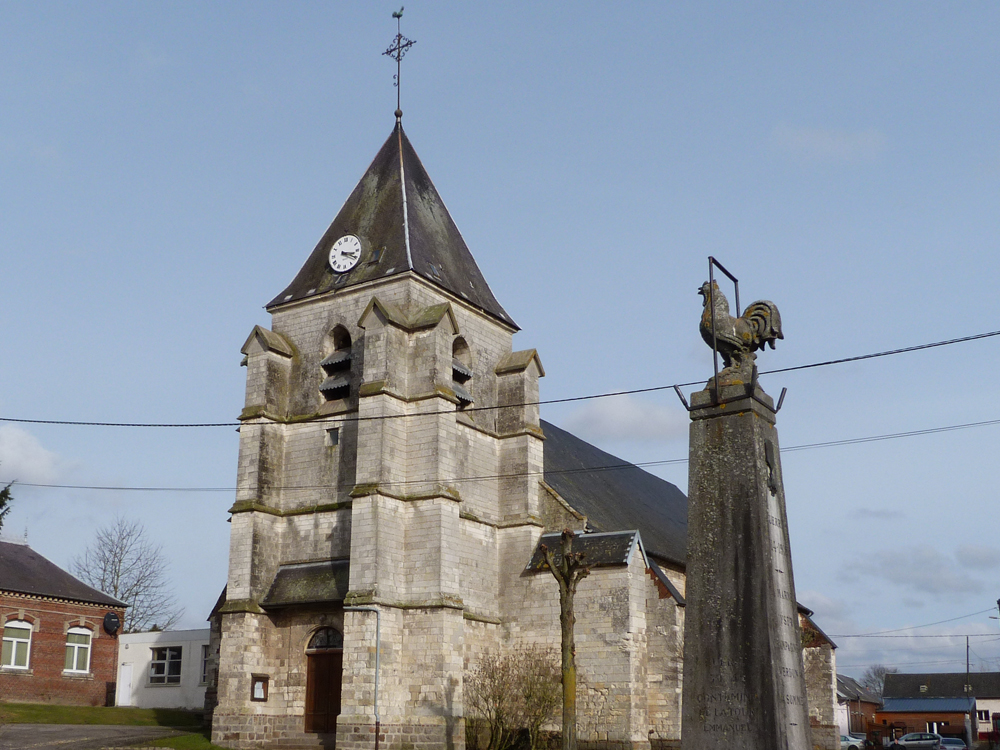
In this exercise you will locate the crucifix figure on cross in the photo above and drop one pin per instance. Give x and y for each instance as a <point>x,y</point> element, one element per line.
<point>396,51</point>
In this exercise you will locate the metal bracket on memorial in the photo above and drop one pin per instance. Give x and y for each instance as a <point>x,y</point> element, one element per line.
<point>749,393</point>
<point>750,389</point>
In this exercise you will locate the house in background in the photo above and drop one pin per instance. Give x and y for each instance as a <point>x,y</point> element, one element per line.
<point>856,706</point>
<point>982,687</point>
<point>949,717</point>
<point>163,669</point>
<point>60,636</point>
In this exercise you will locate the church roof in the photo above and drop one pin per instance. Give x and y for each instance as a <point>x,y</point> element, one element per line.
<point>403,226</point>
<point>616,499</point>
<point>24,571</point>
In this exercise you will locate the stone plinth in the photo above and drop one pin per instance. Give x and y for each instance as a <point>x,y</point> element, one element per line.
<point>744,687</point>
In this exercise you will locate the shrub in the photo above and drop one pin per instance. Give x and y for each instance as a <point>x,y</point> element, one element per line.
<point>510,696</point>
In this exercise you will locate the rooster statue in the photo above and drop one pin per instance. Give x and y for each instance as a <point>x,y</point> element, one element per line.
<point>738,338</point>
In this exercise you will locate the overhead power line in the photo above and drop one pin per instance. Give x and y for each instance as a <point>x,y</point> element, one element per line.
<point>916,635</point>
<point>910,663</point>
<point>926,625</point>
<point>570,399</point>
<point>489,477</point>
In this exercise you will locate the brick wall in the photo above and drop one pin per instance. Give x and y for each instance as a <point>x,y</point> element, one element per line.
<point>45,681</point>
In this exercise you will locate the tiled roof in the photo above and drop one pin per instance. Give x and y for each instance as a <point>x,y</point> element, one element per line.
<point>599,550</point>
<point>24,571</point>
<point>403,226</point>
<point>850,689</point>
<point>624,497</point>
<point>921,705</point>
<point>308,583</point>
<point>941,684</point>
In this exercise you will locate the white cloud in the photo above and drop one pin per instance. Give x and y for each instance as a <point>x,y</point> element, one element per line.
<point>828,145</point>
<point>626,418</point>
<point>977,557</point>
<point>23,458</point>
<point>925,571</point>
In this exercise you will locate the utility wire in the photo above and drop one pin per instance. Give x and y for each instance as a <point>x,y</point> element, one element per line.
<point>929,624</point>
<point>489,477</point>
<point>918,635</point>
<point>909,663</point>
<point>633,391</point>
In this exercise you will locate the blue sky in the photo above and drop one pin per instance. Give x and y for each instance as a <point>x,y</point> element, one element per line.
<point>165,169</point>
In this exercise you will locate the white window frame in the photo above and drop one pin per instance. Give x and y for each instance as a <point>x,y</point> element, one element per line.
<point>14,640</point>
<point>76,647</point>
<point>205,657</point>
<point>164,678</point>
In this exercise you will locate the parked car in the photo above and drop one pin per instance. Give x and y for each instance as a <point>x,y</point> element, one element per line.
<point>953,743</point>
<point>918,739</point>
<point>851,743</point>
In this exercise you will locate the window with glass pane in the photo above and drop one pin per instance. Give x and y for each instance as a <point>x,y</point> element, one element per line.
<point>165,669</point>
<point>204,665</point>
<point>77,650</point>
<point>16,644</point>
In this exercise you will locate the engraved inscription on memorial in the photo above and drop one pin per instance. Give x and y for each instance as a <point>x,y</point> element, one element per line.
<point>723,709</point>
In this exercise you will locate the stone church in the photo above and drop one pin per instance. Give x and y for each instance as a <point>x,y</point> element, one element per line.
<point>394,484</point>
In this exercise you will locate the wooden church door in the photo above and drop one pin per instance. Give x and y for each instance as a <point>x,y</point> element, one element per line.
<point>324,675</point>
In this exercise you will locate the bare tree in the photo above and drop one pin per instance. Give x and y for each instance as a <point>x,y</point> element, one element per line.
<point>512,694</point>
<point>123,562</point>
<point>874,678</point>
<point>539,689</point>
<point>568,569</point>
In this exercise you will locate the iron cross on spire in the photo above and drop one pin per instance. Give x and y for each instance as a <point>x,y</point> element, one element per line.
<point>396,51</point>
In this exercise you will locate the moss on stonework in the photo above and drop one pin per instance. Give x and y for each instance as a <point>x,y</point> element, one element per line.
<point>241,605</point>
<point>372,388</point>
<point>250,506</point>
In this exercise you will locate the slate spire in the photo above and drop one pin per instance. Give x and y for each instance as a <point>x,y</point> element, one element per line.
<point>403,226</point>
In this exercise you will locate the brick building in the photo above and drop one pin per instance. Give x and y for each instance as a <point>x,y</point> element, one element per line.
<point>395,478</point>
<point>60,641</point>
<point>982,687</point>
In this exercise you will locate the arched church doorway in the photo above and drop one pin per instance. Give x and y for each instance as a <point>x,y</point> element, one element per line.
<point>324,673</point>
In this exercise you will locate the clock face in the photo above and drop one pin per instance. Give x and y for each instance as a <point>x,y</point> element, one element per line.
<point>345,253</point>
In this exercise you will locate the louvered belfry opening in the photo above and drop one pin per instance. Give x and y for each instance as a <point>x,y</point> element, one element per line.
<point>336,367</point>
<point>461,372</point>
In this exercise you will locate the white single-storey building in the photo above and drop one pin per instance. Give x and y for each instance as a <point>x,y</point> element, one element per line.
<point>165,669</point>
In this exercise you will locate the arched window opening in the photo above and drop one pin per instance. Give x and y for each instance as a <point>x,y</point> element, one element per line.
<point>336,366</point>
<point>77,650</point>
<point>325,639</point>
<point>16,644</point>
<point>461,372</point>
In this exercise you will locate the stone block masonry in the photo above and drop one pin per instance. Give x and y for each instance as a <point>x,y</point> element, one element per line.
<point>744,683</point>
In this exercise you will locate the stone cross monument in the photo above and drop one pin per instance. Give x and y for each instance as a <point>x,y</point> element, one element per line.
<point>744,687</point>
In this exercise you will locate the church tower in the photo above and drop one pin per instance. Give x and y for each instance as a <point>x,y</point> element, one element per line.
<point>389,464</point>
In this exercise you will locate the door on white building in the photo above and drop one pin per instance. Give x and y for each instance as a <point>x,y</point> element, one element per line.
<point>124,688</point>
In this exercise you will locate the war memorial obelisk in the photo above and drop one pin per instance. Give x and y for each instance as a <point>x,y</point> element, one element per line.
<point>744,687</point>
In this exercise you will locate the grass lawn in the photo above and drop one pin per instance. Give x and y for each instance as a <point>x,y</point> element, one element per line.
<point>36,713</point>
<point>197,740</point>
<point>43,713</point>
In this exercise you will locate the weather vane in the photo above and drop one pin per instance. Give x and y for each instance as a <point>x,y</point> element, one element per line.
<point>396,51</point>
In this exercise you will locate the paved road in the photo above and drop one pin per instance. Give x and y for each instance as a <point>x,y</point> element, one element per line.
<point>75,737</point>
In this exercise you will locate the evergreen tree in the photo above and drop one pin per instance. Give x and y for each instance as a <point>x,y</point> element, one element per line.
<point>5,499</point>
